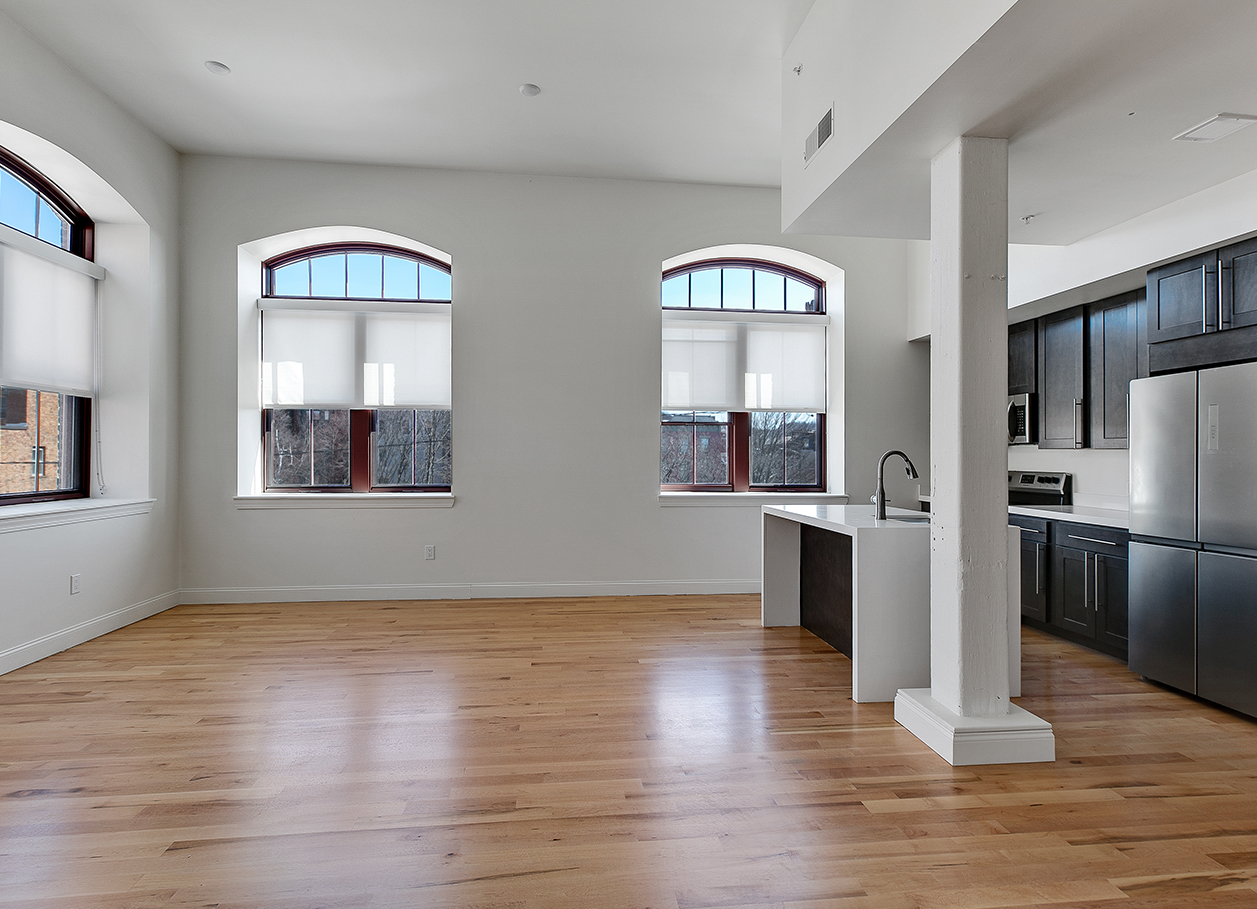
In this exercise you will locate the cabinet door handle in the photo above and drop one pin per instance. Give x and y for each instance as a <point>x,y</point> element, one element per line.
<point>1038,568</point>
<point>1090,540</point>
<point>1078,422</point>
<point>1098,562</point>
<point>1212,304</point>
<point>1224,313</point>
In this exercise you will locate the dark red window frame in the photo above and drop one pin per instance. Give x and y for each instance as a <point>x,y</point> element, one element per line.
<point>328,249</point>
<point>82,244</point>
<point>82,228</point>
<point>80,422</point>
<point>740,462</point>
<point>740,421</point>
<point>361,425</point>
<point>758,265</point>
<point>361,420</point>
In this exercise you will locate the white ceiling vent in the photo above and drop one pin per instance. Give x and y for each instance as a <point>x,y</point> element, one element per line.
<point>817,137</point>
<point>1216,127</point>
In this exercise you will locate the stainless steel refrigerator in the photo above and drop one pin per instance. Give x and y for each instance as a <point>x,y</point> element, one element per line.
<point>1193,523</point>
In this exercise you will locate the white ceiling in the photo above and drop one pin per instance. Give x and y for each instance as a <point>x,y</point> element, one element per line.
<point>1090,94</point>
<point>685,90</point>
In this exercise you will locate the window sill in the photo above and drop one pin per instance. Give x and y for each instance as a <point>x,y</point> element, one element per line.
<point>339,500</point>
<point>752,499</point>
<point>69,511</point>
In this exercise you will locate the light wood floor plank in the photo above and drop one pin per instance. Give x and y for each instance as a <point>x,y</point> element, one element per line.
<point>662,752</point>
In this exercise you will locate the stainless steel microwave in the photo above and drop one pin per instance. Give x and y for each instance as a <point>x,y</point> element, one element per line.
<point>1021,420</point>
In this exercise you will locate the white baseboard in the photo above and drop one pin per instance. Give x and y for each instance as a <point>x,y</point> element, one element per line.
<point>614,588</point>
<point>57,641</point>
<point>328,593</point>
<point>505,589</point>
<point>1018,737</point>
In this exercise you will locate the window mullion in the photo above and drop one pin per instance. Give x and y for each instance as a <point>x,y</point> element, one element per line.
<point>360,450</point>
<point>740,454</point>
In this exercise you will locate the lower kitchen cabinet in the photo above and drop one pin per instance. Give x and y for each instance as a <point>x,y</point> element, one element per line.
<point>1073,606</point>
<point>1074,580</point>
<point>1113,575</point>
<point>1034,566</point>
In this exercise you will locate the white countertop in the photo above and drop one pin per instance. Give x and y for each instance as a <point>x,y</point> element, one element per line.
<point>850,518</point>
<point>1078,514</point>
<point>846,518</point>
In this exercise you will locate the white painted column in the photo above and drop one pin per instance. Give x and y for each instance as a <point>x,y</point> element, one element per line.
<point>966,714</point>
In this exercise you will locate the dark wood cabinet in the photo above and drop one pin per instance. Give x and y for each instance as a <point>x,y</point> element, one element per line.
<point>1117,355</point>
<point>1183,298</point>
<point>1089,584</point>
<point>1072,607</point>
<point>1202,311</point>
<point>1111,576</point>
<point>1237,273</point>
<point>1034,566</point>
<point>1062,355</point>
<point>1022,358</point>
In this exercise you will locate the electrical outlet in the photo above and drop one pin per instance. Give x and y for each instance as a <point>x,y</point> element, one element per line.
<point>429,552</point>
<point>75,583</point>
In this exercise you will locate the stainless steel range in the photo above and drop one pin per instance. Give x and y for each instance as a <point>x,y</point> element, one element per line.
<point>1040,488</point>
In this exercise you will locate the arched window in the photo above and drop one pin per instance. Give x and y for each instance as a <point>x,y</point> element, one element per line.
<point>355,382</point>
<point>47,337</point>
<point>36,206</point>
<point>744,384</point>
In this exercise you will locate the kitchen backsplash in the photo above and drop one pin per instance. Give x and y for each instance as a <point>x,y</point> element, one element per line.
<point>1101,476</point>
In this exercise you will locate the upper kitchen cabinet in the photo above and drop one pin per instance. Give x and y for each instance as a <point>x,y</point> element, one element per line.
<point>1118,354</point>
<point>1183,298</point>
<point>1202,311</point>
<point>1062,380</point>
<point>1022,358</point>
<point>1237,271</point>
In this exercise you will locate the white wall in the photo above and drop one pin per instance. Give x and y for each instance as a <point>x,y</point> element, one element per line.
<point>556,385</point>
<point>127,180</point>
<point>868,83</point>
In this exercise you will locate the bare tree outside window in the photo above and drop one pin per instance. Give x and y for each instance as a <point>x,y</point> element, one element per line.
<point>412,448</point>
<point>784,449</point>
<point>694,449</point>
<point>309,448</point>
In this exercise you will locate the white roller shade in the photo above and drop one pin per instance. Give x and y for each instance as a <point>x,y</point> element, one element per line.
<point>47,324</point>
<point>743,365</point>
<point>308,359</point>
<point>700,366</point>
<point>407,360</point>
<point>317,357</point>
<point>785,368</point>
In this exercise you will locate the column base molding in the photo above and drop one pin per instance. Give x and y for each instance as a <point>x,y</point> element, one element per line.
<point>1018,737</point>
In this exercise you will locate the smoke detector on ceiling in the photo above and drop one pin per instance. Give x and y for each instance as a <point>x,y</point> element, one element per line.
<point>1216,127</point>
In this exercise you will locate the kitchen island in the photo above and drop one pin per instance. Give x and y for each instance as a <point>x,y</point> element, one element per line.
<point>863,586</point>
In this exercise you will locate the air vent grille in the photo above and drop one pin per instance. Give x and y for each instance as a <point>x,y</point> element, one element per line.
<point>817,137</point>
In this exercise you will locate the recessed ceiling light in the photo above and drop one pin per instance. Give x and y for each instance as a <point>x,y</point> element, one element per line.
<point>1217,127</point>
<point>218,69</point>
<point>528,90</point>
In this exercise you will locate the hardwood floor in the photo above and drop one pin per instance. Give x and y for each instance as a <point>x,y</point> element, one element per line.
<point>658,752</point>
